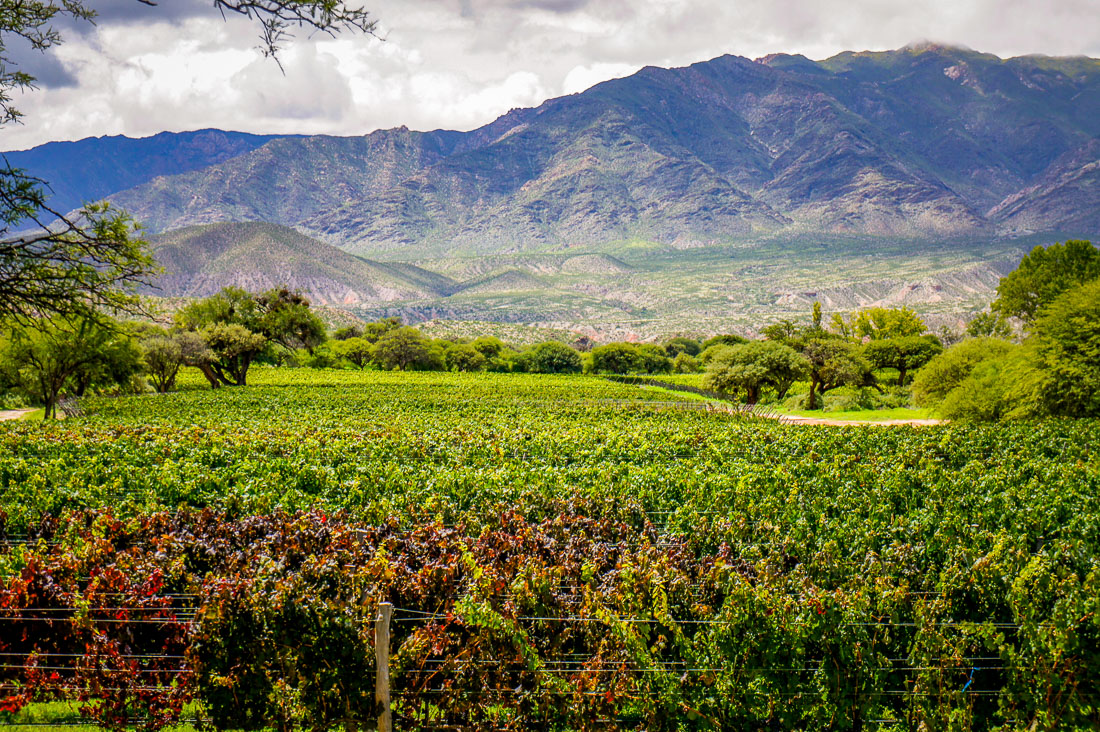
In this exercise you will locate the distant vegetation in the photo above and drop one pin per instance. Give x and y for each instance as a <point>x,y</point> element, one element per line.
<point>873,358</point>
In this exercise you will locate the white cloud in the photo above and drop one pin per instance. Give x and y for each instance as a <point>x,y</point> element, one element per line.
<point>461,63</point>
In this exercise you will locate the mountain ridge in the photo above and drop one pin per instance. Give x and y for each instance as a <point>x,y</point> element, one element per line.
<point>926,141</point>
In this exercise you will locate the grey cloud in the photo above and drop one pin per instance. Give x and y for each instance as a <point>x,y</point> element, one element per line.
<point>131,12</point>
<point>48,71</point>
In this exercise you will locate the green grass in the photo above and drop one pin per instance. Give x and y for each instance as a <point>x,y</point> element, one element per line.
<point>864,415</point>
<point>37,414</point>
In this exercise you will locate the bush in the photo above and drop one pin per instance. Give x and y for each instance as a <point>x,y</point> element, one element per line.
<point>464,357</point>
<point>949,369</point>
<point>617,358</point>
<point>685,364</point>
<point>687,346</point>
<point>551,357</point>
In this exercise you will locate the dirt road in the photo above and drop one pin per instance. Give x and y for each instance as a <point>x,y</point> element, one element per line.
<point>13,414</point>
<point>854,422</point>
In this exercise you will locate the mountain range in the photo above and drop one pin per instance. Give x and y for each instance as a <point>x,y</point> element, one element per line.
<point>927,146</point>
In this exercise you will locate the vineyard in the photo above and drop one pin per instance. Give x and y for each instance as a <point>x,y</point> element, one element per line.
<point>562,553</point>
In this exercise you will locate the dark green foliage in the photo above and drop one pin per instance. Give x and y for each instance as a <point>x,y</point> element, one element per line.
<point>1066,336</point>
<point>948,370</point>
<point>690,346</point>
<point>1043,275</point>
<point>552,358</point>
<point>722,340</point>
<point>834,362</point>
<point>749,368</point>
<point>654,359</point>
<point>56,357</point>
<point>401,348</point>
<point>907,353</point>
<point>464,357</point>
<point>348,332</point>
<point>617,358</point>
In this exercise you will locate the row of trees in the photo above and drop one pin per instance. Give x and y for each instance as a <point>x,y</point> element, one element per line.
<point>1054,294</point>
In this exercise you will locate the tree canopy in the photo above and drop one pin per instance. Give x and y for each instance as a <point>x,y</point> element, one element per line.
<point>1043,275</point>
<point>751,367</point>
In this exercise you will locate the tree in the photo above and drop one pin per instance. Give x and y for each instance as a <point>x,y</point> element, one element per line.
<point>880,323</point>
<point>1043,275</point>
<point>552,357</point>
<point>946,371</point>
<point>52,356</point>
<point>834,362</point>
<point>400,348</point>
<point>234,348</point>
<point>904,354</point>
<point>1067,340</point>
<point>728,339</point>
<point>258,320</point>
<point>165,353</point>
<point>53,264</point>
<point>489,346</point>
<point>989,325</point>
<point>752,367</point>
<point>356,350</point>
<point>685,364</point>
<point>616,358</point>
<point>784,331</point>
<point>285,318</point>
<point>654,359</point>
<point>347,332</point>
<point>464,357</point>
<point>676,346</point>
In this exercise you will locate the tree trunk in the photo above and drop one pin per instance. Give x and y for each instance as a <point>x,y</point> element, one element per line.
<point>212,377</point>
<point>815,384</point>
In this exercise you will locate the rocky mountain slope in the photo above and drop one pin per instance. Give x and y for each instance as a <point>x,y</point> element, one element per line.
<point>94,168</point>
<point>927,142</point>
<point>200,260</point>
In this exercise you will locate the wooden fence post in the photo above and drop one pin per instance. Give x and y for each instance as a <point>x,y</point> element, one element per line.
<point>382,665</point>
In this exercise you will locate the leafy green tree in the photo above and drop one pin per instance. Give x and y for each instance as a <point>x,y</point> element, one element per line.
<point>1067,339</point>
<point>989,325</point>
<point>50,357</point>
<point>784,331</point>
<point>986,394</point>
<point>400,348</point>
<point>53,264</point>
<point>949,369</point>
<point>616,358</point>
<point>285,318</point>
<point>277,316</point>
<point>685,364</point>
<point>357,351</point>
<point>373,331</point>
<point>654,359</point>
<point>834,362</point>
<point>489,346</point>
<point>679,345</point>
<point>552,357</point>
<point>882,323</point>
<point>234,348</point>
<point>464,357</point>
<point>1043,275</point>
<point>752,367</point>
<point>164,354</point>
<point>728,339</point>
<point>904,354</point>
<point>347,332</point>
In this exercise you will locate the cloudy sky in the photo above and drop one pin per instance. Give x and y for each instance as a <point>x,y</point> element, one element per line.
<point>460,63</point>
